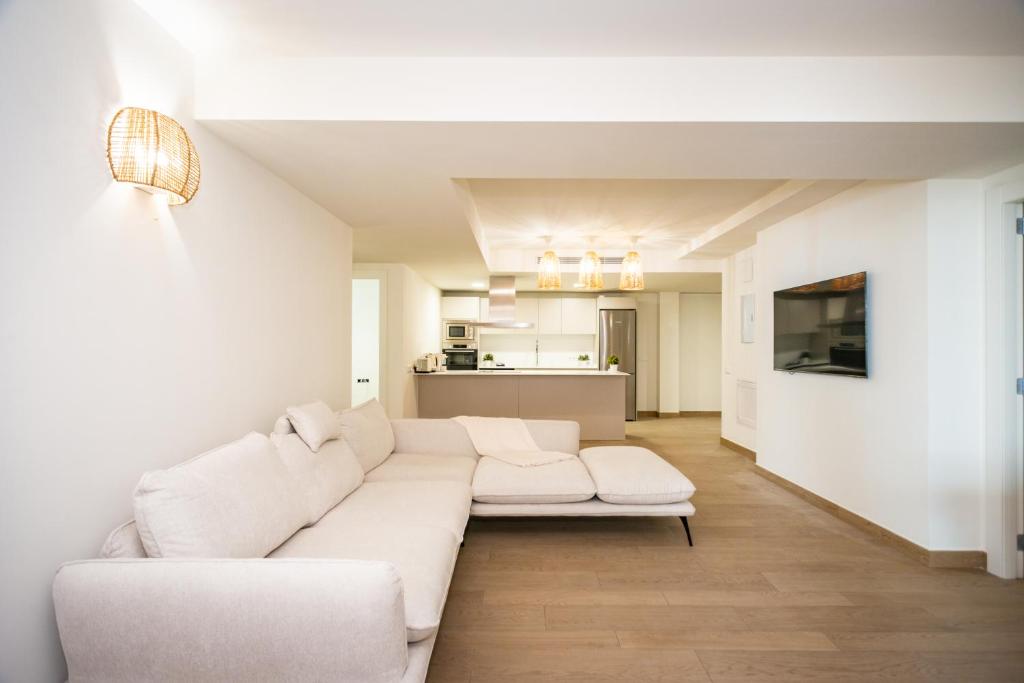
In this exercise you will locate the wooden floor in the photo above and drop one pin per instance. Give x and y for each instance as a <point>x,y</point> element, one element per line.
<point>774,590</point>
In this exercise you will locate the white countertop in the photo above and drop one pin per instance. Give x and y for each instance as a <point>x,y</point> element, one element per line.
<point>535,372</point>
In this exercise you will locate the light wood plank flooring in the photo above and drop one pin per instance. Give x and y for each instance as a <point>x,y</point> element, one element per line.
<point>775,590</point>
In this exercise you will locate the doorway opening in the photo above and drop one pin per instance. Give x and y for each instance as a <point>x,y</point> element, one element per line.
<point>367,339</point>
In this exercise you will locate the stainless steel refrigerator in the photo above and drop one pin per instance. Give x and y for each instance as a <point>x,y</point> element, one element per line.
<point>617,329</point>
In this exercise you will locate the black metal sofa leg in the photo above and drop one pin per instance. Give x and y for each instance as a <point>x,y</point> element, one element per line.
<point>686,525</point>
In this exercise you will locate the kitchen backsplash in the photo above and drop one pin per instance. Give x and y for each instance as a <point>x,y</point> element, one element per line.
<point>555,351</point>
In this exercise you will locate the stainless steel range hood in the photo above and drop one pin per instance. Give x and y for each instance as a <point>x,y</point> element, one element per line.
<point>501,305</point>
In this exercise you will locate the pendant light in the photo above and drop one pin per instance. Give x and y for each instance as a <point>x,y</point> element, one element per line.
<point>591,276</point>
<point>549,270</point>
<point>631,279</point>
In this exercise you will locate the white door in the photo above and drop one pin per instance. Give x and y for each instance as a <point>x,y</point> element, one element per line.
<point>365,340</point>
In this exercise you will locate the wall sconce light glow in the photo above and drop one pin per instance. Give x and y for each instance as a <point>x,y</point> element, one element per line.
<point>591,276</point>
<point>549,271</point>
<point>154,153</point>
<point>632,277</point>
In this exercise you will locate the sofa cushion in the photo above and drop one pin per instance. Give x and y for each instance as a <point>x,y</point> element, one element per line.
<point>326,476</point>
<point>423,556</point>
<point>123,541</point>
<point>432,437</point>
<point>315,422</point>
<point>633,475</point>
<point>419,467</point>
<point>560,436</point>
<point>238,500</point>
<point>441,504</point>
<point>283,425</point>
<point>368,431</point>
<point>566,481</point>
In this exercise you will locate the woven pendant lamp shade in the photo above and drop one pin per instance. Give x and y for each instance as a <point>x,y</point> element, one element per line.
<point>632,277</point>
<point>591,276</point>
<point>154,153</point>
<point>549,272</point>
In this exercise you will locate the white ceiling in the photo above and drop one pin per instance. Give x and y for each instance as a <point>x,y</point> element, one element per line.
<point>423,182</point>
<point>660,214</point>
<point>594,28</point>
<point>393,181</point>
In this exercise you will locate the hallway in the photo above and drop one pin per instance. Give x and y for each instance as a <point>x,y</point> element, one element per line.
<point>774,589</point>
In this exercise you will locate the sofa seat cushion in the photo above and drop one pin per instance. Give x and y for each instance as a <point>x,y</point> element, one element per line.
<point>238,500</point>
<point>441,504</point>
<point>423,556</point>
<point>630,475</point>
<point>566,481</point>
<point>420,467</point>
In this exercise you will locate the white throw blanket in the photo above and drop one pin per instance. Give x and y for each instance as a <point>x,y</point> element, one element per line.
<point>507,439</point>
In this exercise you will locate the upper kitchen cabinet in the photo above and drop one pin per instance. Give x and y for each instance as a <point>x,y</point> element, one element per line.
<point>527,311</point>
<point>549,316</point>
<point>461,307</point>
<point>579,316</point>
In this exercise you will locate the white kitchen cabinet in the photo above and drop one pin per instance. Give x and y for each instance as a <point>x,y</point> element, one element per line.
<point>461,307</point>
<point>485,316</point>
<point>527,311</point>
<point>549,316</point>
<point>579,316</point>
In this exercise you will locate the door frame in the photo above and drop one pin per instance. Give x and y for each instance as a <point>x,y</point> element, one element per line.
<point>382,357</point>
<point>1003,363</point>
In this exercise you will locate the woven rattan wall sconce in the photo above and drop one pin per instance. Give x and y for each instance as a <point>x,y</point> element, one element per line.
<point>154,153</point>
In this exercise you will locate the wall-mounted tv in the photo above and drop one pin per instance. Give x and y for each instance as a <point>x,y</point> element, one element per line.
<point>822,327</point>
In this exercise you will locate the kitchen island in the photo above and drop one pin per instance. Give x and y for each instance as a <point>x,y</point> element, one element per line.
<point>594,399</point>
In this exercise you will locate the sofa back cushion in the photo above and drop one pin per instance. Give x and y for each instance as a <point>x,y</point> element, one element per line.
<point>448,437</point>
<point>315,422</point>
<point>367,430</point>
<point>432,437</point>
<point>326,476</point>
<point>238,500</point>
<point>561,436</point>
<point>123,542</point>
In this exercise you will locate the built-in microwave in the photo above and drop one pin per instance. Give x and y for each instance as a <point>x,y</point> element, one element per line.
<point>458,330</point>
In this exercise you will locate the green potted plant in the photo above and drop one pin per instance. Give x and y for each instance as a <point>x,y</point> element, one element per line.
<point>613,363</point>
<point>584,359</point>
<point>488,360</point>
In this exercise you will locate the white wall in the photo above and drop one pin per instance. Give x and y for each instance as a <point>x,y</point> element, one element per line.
<point>903,447</point>
<point>421,332</point>
<point>956,340</point>
<point>133,336</point>
<point>700,352</point>
<point>412,328</point>
<point>646,351</point>
<point>739,360</point>
<point>668,352</point>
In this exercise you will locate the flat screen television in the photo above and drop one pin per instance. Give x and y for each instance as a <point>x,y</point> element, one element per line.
<point>822,327</point>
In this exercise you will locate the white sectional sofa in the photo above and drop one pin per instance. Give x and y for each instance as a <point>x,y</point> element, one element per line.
<point>305,556</point>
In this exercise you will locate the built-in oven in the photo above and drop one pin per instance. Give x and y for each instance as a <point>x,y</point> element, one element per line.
<point>460,357</point>
<point>457,331</point>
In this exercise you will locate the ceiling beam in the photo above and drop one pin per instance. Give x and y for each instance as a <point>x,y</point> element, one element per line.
<point>739,230</point>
